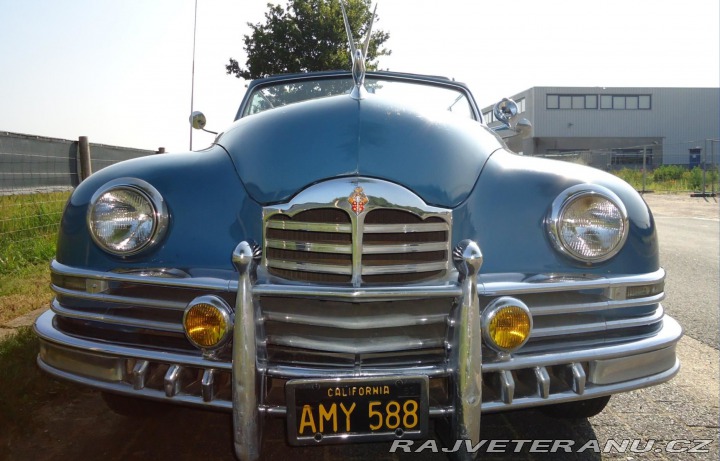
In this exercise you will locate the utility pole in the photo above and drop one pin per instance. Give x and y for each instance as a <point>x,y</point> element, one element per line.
<point>192,85</point>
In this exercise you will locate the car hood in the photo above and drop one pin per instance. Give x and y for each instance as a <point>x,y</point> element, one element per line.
<point>282,151</point>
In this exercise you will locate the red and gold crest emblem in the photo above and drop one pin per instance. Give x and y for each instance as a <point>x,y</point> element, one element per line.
<point>358,200</point>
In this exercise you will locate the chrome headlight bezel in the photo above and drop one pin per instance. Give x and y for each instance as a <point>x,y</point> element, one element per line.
<point>225,312</point>
<point>160,215</point>
<point>555,221</point>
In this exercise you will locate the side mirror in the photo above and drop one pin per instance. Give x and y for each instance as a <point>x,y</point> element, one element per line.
<point>198,121</point>
<point>506,112</point>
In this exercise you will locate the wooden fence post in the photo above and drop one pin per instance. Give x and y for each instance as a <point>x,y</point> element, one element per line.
<point>84,158</point>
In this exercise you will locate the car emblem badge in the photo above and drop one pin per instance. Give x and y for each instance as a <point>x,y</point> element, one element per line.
<point>358,200</point>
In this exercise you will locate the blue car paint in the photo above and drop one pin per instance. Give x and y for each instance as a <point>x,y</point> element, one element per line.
<point>506,215</point>
<point>210,212</point>
<point>215,196</point>
<point>284,150</point>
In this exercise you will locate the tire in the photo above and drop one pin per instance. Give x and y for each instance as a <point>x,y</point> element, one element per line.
<point>577,410</point>
<point>132,407</point>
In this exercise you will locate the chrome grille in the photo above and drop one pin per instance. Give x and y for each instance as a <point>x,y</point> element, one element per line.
<point>320,238</point>
<point>312,246</point>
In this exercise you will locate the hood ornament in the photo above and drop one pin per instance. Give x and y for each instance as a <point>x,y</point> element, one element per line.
<point>358,56</point>
<point>358,200</point>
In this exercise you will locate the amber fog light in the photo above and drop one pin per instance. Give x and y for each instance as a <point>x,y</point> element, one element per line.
<point>506,324</point>
<point>208,322</point>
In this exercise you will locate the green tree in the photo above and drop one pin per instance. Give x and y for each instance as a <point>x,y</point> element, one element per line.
<point>307,35</point>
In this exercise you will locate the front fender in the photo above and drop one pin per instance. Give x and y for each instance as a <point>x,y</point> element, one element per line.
<point>506,212</point>
<point>210,212</point>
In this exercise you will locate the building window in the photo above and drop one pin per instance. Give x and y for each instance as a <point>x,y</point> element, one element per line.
<point>625,102</point>
<point>590,101</point>
<point>606,101</point>
<point>644,101</point>
<point>521,106</point>
<point>553,101</point>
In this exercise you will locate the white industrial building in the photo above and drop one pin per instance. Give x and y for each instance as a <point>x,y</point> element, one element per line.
<point>616,127</point>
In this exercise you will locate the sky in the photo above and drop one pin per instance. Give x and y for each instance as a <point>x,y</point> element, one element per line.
<point>120,72</point>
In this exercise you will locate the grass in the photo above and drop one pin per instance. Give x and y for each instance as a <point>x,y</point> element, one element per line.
<point>23,388</point>
<point>670,178</point>
<point>28,231</point>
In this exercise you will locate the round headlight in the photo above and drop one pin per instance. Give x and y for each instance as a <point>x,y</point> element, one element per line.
<point>588,223</point>
<point>208,322</point>
<point>127,216</point>
<point>506,324</point>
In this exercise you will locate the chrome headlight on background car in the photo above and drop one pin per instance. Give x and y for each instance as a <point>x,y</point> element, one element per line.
<point>588,223</point>
<point>127,216</point>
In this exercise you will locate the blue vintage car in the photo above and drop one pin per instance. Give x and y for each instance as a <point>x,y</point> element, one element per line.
<point>358,254</point>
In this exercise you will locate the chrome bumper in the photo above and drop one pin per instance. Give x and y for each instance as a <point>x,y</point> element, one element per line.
<point>475,385</point>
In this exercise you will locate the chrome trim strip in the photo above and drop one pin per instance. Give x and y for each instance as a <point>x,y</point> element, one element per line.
<point>370,249</point>
<point>589,327</point>
<point>310,267</point>
<point>115,319</point>
<point>308,226</point>
<point>355,346</point>
<point>144,302</point>
<point>487,286</point>
<point>355,323</point>
<point>208,283</point>
<point>405,228</point>
<point>308,246</point>
<point>404,268</point>
<point>300,372</point>
<point>595,306</point>
<point>492,288</point>
<point>365,295</point>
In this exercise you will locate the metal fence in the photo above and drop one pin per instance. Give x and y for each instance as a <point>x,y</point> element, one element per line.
<point>36,177</point>
<point>690,167</point>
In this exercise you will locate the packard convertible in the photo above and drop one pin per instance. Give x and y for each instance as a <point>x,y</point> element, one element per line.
<point>360,255</point>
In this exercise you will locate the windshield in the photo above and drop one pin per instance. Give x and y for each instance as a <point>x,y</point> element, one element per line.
<point>423,96</point>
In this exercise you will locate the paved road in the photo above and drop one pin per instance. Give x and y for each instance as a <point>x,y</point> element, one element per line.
<point>684,409</point>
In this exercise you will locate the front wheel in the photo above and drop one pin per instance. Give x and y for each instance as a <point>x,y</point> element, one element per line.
<point>577,410</point>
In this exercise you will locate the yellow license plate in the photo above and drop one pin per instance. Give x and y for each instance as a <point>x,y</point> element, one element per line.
<point>356,409</point>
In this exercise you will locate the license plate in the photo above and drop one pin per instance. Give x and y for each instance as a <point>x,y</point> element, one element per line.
<point>356,409</point>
